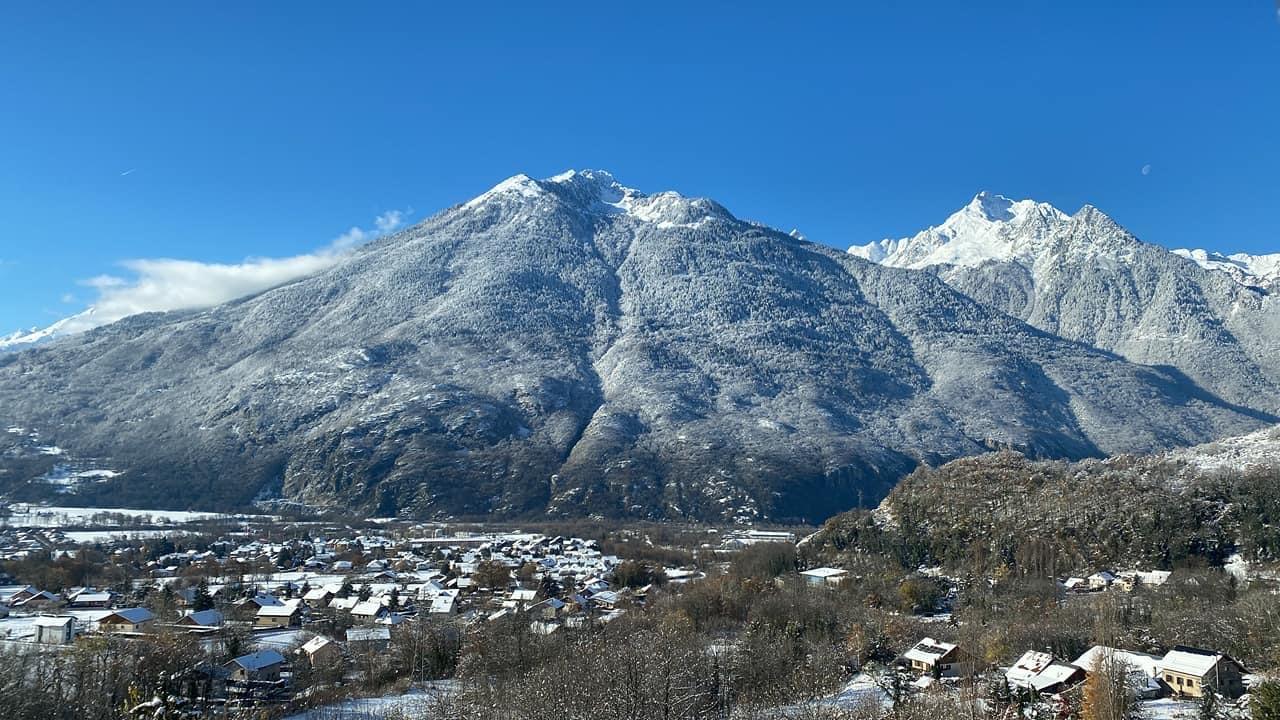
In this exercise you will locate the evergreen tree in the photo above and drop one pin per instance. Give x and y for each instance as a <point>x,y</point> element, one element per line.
<point>202,600</point>
<point>1264,701</point>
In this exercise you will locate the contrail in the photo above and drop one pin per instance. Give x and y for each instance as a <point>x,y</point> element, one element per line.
<point>130,170</point>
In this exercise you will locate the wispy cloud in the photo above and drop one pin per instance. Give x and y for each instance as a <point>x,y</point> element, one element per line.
<point>128,172</point>
<point>163,284</point>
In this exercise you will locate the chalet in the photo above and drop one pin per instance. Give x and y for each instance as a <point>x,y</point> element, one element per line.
<point>264,665</point>
<point>59,630</point>
<point>286,614</point>
<point>1190,671</point>
<point>320,651</point>
<point>201,619</point>
<point>1040,673</point>
<point>934,657</point>
<point>825,576</point>
<point>127,620</point>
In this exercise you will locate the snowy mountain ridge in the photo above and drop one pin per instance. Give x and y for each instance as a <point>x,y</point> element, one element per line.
<point>990,228</point>
<point>1260,271</point>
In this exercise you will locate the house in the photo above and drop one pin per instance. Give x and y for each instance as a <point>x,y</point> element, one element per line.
<point>40,599</point>
<point>369,638</point>
<point>127,620</point>
<point>320,651</point>
<point>14,595</point>
<point>318,597</point>
<point>825,576</point>
<point>201,619</point>
<point>247,608</point>
<point>1142,670</point>
<point>286,614</point>
<point>1133,579</point>
<point>368,611</point>
<point>264,665</point>
<point>548,609</point>
<point>1041,674</point>
<point>446,603</point>
<point>934,657</point>
<point>55,630</point>
<point>1190,671</point>
<point>344,603</point>
<point>1100,580</point>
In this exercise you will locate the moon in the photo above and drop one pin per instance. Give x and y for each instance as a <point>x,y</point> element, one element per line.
<point>1146,169</point>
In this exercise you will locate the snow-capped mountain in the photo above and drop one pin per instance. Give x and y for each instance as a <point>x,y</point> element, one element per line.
<point>990,228</point>
<point>1259,271</point>
<point>574,346</point>
<point>23,339</point>
<point>1086,278</point>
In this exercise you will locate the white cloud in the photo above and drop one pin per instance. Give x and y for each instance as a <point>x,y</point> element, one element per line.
<point>163,284</point>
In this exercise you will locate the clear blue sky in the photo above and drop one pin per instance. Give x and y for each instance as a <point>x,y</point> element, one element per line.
<point>267,129</point>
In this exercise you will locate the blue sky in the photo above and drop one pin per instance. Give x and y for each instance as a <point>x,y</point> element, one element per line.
<point>215,132</point>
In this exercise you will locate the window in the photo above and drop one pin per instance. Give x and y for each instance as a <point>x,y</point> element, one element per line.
<point>1179,681</point>
<point>1191,683</point>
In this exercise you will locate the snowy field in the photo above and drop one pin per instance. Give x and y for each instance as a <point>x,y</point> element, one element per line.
<point>22,627</point>
<point>106,536</point>
<point>24,515</point>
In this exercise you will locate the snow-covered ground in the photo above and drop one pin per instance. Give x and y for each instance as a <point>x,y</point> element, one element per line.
<point>23,515</point>
<point>106,536</point>
<point>1259,449</point>
<point>1170,709</point>
<point>22,627</point>
<point>417,702</point>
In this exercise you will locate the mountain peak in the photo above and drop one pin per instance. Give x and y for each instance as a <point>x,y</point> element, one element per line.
<point>995,208</point>
<point>598,192</point>
<point>990,227</point>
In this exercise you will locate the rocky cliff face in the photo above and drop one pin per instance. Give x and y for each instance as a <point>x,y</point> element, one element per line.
<point>576,347</point>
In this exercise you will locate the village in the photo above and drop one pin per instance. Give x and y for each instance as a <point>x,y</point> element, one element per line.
<point>291,615</point>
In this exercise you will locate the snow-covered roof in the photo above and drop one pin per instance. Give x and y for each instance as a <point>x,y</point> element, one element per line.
<point>1028,666</point>
<point>130,615</point>
<point>825,572</point>
<point>1052,675</point>
<point>205,618</point>
<point>282,610</point>
<point>929,650</point>
<point>1190,661</point>
<point>50,621</point>
<point>1147,664</point>
<point>315,644</point>
<point>259,660</point>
